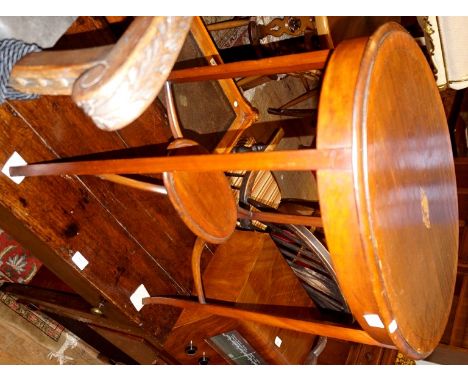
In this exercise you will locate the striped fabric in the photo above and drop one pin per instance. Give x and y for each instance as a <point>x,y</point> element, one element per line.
<point>11,51</point>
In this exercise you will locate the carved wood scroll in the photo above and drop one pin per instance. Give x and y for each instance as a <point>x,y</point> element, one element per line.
<point>112,84</point>
<point>121,87</point>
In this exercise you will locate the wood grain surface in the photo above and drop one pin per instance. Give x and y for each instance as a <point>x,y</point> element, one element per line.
<point>288,160</point>
<point>203,199</point>
<point>265,66</point>
<point>62,215</point>
<point>247,270</point>
<point>391,223</point>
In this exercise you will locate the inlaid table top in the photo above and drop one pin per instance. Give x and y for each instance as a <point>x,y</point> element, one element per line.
<point>391,219</point>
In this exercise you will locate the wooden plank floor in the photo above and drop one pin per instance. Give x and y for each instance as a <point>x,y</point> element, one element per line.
<point>129,237</point>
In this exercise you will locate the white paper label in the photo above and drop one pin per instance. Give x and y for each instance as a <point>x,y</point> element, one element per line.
<point>392,327</point>
<point>79,260</point>
<point>278,341</point>
<point>374,320</point>
<point>137,297</point>
<point>14,160</point>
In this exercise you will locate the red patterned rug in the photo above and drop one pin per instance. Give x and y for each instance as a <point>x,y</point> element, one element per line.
<point>17,265</point>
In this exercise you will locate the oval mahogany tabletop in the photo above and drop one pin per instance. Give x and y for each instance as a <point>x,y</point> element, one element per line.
<point>391,220</point>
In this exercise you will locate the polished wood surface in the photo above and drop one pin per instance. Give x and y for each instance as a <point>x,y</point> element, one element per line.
<point>203,199</point>
<point>197,270</point>
<point>398,206</point>
<point>279,321</point>
<point>300,160</point>
<point>281,64</point>
<point>247,270</point>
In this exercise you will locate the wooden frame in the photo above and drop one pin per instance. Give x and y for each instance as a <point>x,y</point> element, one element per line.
<point>245,114</point>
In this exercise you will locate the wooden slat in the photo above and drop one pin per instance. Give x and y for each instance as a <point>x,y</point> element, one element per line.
<point>66,305</point>
<point>293,160</point>
<point>139,185</point>
<point>281,64</point>
<point>318,328</point>
<point>228,24</point>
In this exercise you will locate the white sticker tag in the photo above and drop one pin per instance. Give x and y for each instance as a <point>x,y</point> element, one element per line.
<point>14,160</point>
<point>278,341</point>
<point>374,320</point>
<point>79,260</point>
<point>393,326</point>
<point>137,297</point>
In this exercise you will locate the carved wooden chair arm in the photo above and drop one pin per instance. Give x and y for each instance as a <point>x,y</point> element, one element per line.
<point>113,84</point>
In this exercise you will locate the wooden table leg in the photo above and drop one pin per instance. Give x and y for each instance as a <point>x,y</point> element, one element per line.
<point>337,331</point>
<point>292,160</point>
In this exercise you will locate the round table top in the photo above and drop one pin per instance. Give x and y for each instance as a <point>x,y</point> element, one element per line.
<point>204,200</point>
<point>391,219</point>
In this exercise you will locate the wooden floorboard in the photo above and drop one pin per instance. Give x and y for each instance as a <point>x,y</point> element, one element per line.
<point>129,237</point>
